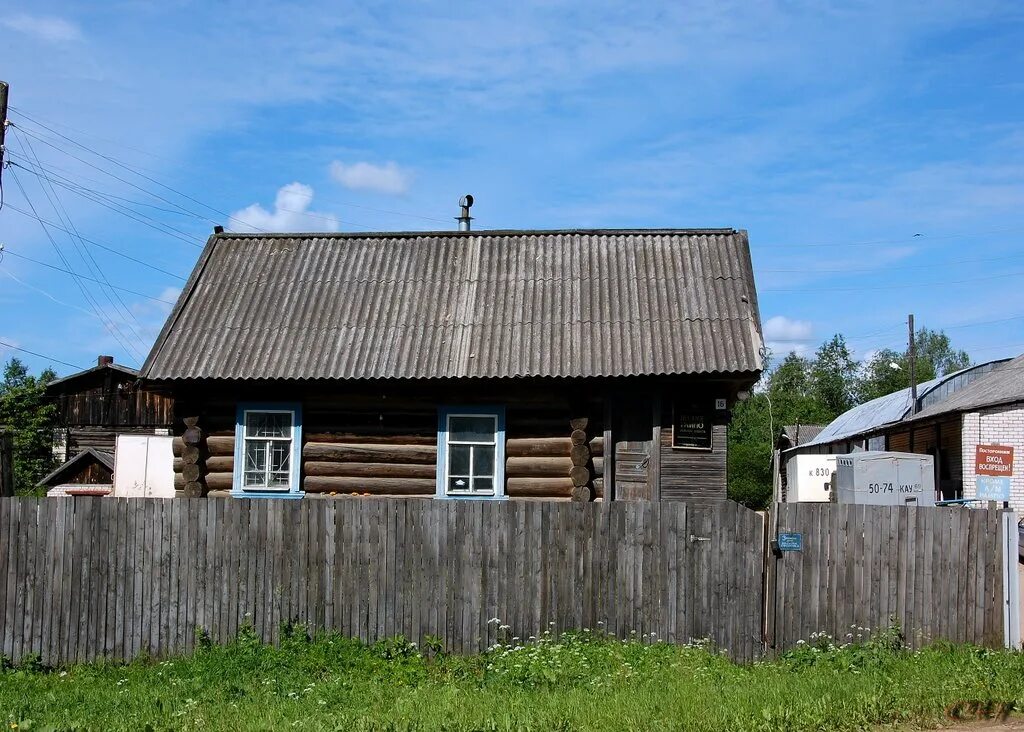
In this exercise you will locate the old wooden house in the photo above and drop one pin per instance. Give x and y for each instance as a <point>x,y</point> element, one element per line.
<point>596,364</point>
<point>94,406</point>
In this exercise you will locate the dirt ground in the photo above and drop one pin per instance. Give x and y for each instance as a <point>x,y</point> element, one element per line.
<point>1011,725</point>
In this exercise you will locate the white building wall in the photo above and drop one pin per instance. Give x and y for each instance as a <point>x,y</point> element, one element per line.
<point>995,426</point>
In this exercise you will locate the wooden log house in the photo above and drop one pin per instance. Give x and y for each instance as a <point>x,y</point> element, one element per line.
<point>576,365</point>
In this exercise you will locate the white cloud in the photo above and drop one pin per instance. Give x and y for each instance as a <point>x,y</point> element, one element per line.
<point>45,27</point>
<point>388,178</point>
<point>783,335</point>
<point>291,213</point>
<point>781,328</point>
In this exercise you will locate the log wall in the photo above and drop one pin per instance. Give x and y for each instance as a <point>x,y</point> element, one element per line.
<point>386,445</point>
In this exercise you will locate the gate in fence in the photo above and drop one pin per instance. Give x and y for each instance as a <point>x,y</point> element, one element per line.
<point>948,573</point>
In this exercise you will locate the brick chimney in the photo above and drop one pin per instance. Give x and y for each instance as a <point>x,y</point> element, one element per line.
<point>104,360</point>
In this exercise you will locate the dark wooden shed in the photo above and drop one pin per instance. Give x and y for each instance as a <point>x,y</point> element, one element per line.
<point>96,405</point>
<point>485,364</point>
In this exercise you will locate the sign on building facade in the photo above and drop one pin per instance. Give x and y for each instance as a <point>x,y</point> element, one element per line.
<point>993,468</point>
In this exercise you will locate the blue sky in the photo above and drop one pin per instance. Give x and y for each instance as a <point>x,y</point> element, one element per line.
<point>873,150</point>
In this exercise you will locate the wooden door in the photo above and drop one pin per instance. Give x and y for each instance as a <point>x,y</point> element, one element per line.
<point>631,432</point>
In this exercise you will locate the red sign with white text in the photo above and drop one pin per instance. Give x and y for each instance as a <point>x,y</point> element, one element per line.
<point>994,460</point>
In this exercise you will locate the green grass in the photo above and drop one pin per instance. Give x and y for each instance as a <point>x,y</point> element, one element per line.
<point>580,682</point>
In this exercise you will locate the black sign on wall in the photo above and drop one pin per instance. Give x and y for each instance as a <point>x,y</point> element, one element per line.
<point>691,426</point>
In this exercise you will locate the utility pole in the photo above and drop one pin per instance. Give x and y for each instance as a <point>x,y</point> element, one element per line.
<point>4,86</point>
<point>912,355</point>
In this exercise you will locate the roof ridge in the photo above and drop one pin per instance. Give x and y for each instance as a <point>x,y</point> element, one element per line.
<point>455,233</point>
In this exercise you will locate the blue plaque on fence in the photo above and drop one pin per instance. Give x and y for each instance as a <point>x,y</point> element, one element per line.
<point>791,541</point>
<point>989,488</point>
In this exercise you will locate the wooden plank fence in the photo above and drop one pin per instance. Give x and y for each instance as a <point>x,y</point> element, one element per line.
<point>6,463</point>
<point>936,571</point>
<point>101,578</point>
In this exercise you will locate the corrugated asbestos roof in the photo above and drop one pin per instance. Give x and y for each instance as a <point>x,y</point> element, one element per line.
<point>1003,385</point>
<point>464,304</point>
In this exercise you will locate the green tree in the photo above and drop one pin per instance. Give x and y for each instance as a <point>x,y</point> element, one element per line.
<point>788,394</point>
<point>31,418</point>
<point>936,354</point>
<point>750,452</point>
<point>833,377</point>
<point>889,371</point>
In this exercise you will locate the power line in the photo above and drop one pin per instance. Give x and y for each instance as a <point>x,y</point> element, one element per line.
<point>112,200</point>
<point>134,172</point>
<point>356,224</point>
<point>108,324</point>
<point>919,238</point>
<point>44,292</point>
<point>83,277</point>
<point>96,197</point>
<point>821,291</point>
<point>115,143</point>
<point>876,269</point>
<point>106,247</point>
<point>40,355</point>
<point>86,254</point>
<point>37,120</point>
<point>51,169</point>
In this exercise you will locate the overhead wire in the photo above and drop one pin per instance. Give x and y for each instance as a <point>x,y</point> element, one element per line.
<point>51,170</point>
<point>112,295</point>
<point>101,245</point>
<point>40,355</point>
<point>820,290</point>
<point>137,216</point>
<point>135,172</point>
<point>35,119</point>
<point>108,324</point>
<point>43,292</point>
<point>84,277</point>
<point>915,238</point>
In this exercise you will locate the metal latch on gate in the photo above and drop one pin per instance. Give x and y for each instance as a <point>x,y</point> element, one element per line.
<point>695,538</point>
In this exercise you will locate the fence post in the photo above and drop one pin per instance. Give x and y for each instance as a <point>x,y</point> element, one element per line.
<point>1011,582</point>
<point>6,464</point>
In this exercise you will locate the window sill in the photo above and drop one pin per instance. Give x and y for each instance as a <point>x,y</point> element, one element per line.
<point>470,498</point>
<point>267,494</point>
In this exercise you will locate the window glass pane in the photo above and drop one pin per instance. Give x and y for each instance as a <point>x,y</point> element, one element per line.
<point>471,429</point>
<point>255,456</point>
<point>267,450</point>
<point>253,478</point>
<point>483,460</point>
<point>458,485</point>
<point>483,485</point>
<point>268,424</point>
<point>280,454</point>
<point>459,461</point>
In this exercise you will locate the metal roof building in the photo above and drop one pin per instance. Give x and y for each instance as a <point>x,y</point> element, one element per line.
<point>980,405</point>
<point>872,416</point>
<point>498,304</point>
<point>1004,384</point>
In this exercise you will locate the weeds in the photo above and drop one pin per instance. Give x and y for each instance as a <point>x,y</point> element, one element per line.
<point>573,681</point>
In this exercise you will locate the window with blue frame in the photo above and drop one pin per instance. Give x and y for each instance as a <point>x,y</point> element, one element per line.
<point>471,452</point>
<point>268,444</point>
